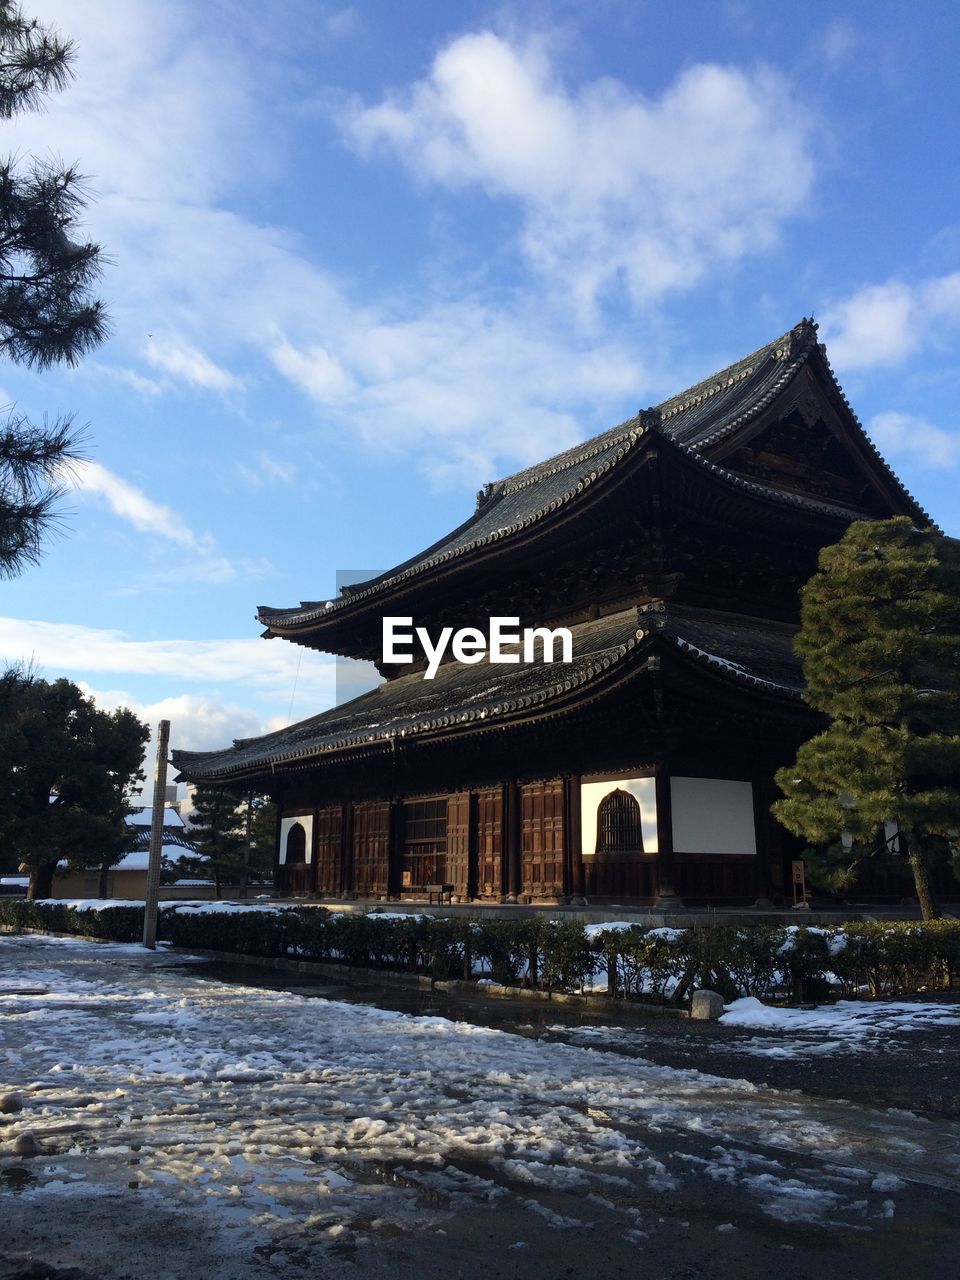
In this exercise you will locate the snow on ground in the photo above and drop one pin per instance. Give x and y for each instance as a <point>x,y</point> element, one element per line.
<point>340,1122</point>
<point>849,1026</point>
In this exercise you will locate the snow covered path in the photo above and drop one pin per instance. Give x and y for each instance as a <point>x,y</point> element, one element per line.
<point>300,1120</point>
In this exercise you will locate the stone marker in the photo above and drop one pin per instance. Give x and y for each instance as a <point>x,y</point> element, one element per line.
<point>706,1006</point>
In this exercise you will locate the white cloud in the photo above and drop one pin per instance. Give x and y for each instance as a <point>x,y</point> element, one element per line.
<point>474,387</point>
<point>198,722</point>
<point>884,324</point>
<point>202,563</point>
<point>903,435</point>
<point>135,381</point>
<point>838,43</point>
<point>188,364</point>
<point>132,504</point>
<point>274,670</point>
<point>266,469</point>
<point>343,23</point>
<point>314,370</point>
<point>165,114</point>
<point>614,186</point>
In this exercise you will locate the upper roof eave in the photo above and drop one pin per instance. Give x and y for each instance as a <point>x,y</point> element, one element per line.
<point>758,379</point>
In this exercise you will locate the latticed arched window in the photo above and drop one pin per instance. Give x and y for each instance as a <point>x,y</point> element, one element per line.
<point>619,828</point>
<point>296,844</point>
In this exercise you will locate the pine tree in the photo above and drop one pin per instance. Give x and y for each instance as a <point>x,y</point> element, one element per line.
<point>880,642</point>
<point>259,817</point>
<point>216,832</point>
<point>66,768</point>
<point>47,312</point>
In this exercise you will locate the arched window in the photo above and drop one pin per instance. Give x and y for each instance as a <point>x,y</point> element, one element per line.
<point>296,844</point>
<point>619,828</point>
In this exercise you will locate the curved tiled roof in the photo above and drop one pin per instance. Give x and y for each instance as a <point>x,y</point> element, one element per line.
<point>692,421</point>
<point>734,647</point>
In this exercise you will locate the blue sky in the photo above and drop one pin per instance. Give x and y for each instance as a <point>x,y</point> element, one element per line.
<point>364,259</point>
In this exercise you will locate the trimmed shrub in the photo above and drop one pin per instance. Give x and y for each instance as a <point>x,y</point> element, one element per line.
<point>887,957</point>
<point>566,959</point>
<point>647,962</point>
<point>556,955</point>
<point>504,946</point>
<point>113,923</point>
<point>248,931</point>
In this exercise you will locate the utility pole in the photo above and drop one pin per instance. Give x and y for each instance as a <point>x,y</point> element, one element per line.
<point>156,838</point>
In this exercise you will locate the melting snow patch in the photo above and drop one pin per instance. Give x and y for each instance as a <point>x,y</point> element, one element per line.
<point>846,1017</point>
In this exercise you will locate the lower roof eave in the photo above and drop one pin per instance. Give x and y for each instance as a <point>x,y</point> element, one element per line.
<point>650,659</point>
<point>555,705</point>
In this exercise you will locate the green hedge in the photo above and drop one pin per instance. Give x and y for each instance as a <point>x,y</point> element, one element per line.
<point>113,923</point>
<point>879,958</point>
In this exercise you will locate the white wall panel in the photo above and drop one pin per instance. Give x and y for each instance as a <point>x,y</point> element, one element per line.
<point>712,815</point>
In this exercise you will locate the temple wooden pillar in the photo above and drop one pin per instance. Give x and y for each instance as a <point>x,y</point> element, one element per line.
<point>487,843</point>
<point>395,861</point>
<point>513,842</point>
<point>769,843</point>
<point>573,842</point>
<point>347,887</point>
<point>666,882</point>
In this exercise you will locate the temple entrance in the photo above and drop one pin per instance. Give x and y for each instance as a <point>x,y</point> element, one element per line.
<point>296,870</point>
<point>424,842</point>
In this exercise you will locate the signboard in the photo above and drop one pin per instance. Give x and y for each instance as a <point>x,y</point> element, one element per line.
<point>799,882</point>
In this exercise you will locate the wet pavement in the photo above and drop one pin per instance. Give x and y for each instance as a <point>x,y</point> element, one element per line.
<point>195,1119</point>
<point>916,1070</point>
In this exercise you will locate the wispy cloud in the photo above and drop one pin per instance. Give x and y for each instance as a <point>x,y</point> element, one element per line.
<point>188,364</point>
<point>255,666</point>
<point>265,469</point>
<point>161,109</point>
<point>198,722</point>
<point>884,324</point>
<point>474,386</point>
<point>203,563</point>
<point>132,504</point>
<point>903,435</point>
<point>314,370</point>
<point>653,191</point>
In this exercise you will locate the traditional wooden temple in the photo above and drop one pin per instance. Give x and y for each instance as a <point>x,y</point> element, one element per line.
<point>673,547</point>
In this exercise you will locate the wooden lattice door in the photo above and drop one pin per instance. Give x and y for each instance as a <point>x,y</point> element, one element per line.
<point>371,848</point>
<point>458,843</point>
<point>329,835</point>
<point>541,843</point>
<point>490,843</point>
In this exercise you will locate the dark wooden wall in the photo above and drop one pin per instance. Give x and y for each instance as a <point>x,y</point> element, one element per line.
<point>515,842</point>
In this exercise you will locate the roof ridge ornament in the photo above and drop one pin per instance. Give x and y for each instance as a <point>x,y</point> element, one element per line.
<point>490,490</point>
<point>654,614</point>
<point>803,337</point>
